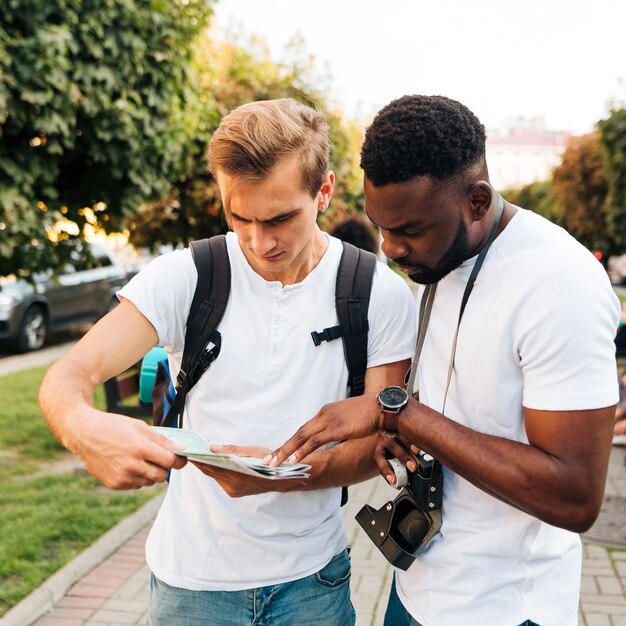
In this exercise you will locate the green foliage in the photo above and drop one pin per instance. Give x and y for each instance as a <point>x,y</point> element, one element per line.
<point>22,428</point>
<point>23,431</point>
<point>98,108</point>
<point>230,75</point>
<point>106,109</point>
<point>537,197</point>
<point>580,189</point>
<point>613,138</point>
<point>47,518</point>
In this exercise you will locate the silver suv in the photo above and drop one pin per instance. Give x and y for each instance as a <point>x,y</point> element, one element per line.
<point>83,292</point>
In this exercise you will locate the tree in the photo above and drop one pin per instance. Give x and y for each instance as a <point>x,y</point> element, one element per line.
<point>538,197</point>
<point>98,112</point>
<point>580,191</point>
<point>229,75</point>
<point>613,138</point>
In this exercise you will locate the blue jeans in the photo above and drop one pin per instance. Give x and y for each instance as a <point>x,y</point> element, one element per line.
<point>321,598</point>
<point>397,615</point>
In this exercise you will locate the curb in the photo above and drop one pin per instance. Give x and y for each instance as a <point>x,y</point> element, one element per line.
<point>54,588</point>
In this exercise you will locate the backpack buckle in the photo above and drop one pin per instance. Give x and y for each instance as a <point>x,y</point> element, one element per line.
<point>328,334</point>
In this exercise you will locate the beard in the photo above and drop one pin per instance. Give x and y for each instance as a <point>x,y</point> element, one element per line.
<point>458,251</point>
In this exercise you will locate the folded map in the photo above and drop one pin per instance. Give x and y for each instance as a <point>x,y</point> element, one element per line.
<point>197,448</point>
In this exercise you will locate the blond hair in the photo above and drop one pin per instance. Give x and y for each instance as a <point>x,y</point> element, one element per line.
<point>254,137</point>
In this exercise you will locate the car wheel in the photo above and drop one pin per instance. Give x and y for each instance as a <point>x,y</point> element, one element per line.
<point>33,330</point>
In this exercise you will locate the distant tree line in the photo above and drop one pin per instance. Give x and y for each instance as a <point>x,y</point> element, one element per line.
<point>106,109</point>
<point>586,193</point>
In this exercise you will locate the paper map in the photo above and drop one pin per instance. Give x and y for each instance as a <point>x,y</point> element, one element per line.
<point>197,448</point>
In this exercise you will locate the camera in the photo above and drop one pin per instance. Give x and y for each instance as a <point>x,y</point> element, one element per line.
<point>402,528</point>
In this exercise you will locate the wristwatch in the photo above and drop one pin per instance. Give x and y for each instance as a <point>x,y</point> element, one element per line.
<point>391,400</point>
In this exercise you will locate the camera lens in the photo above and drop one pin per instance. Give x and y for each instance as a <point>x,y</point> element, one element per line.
<point>413,527</point>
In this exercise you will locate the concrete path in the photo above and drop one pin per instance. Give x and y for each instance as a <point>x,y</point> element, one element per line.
<point>46,356</point>
<point>114,590</point>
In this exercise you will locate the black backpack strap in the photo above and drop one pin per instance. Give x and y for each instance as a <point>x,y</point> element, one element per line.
<point>207,308</point>
<point>352,297</point>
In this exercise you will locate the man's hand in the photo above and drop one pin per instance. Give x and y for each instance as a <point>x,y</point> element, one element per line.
<point>394,448</point>
<point>353,418</point>
<point>125,453</point>
<point>236,484</point>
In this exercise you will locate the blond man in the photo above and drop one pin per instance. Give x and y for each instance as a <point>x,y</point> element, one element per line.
<point>277,556</point>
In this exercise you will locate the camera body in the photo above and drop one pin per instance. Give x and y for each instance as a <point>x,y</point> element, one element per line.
<point>402,528</point>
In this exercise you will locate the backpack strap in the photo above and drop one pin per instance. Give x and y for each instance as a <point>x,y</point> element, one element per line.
<point>352,297</point>
<point>207,308</point>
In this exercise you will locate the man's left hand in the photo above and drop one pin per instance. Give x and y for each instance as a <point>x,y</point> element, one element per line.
<point>236,484</point>
<point>353,418</point>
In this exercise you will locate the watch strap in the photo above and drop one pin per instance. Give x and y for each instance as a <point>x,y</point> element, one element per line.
<point>390,421</point>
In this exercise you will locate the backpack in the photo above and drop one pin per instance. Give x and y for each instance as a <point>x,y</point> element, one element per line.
<point>203,340</point>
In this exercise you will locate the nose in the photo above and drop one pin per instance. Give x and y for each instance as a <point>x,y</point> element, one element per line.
<point>262,241</point>
<point>393,247</point>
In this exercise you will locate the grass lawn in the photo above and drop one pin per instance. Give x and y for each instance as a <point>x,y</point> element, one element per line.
<point>47,517</point>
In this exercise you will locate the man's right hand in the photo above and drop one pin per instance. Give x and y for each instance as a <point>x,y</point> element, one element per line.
<point>121,452</point>
<point>125,453</point>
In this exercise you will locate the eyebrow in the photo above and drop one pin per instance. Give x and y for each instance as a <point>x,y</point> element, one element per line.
<point>398,229</point>
<point>269,219</point>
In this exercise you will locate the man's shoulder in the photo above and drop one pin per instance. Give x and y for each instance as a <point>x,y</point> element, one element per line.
<point>536,242</point>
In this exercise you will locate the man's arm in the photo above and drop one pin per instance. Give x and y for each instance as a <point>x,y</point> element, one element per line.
<point>121,452</point>
<point>346,463</point>
<point>558,477</point>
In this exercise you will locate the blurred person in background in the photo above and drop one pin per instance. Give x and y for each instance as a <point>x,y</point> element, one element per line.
<point>357,231</point>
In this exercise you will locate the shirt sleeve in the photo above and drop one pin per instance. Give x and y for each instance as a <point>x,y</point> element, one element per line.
<point>564,330</point>
<point>162,292</point>
<point>392,318</point>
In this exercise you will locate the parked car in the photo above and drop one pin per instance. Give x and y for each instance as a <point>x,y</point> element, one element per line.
<point>616,268</point>
<point>83,292</point>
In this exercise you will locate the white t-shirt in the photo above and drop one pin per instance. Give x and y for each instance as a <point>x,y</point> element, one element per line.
<point>537,332</point>
<point>267,381</point>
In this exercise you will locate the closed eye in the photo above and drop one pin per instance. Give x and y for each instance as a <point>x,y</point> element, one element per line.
<point>414,232</point>
<point>282,219</point>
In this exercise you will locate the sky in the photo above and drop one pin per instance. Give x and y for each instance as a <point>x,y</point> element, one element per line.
<point>562,60</point>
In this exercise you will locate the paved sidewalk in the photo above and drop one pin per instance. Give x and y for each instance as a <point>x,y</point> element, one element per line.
<point>19,362</point>
<point>603,585</point>
<point>115,591</point>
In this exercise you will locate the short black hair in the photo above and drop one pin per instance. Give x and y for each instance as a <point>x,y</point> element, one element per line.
<point>422,136</point>
<point>357,231</point>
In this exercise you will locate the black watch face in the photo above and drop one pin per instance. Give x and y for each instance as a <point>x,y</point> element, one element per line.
<point>393,397</point>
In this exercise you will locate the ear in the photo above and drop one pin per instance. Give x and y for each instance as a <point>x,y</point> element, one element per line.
<point>326,190</point>
<point>482,196</point>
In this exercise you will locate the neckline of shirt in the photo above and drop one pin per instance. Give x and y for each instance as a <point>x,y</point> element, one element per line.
<point>236,254</point>
<point>497,242</point>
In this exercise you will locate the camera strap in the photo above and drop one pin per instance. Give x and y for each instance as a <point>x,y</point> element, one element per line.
<point>468,290</point>
<point>426,306</point>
